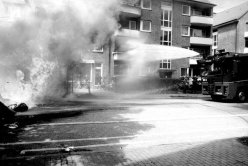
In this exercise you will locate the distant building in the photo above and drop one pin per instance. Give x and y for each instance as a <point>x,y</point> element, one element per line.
<point>231,29</point>
<point>182,23</point>
<point>10,10</point>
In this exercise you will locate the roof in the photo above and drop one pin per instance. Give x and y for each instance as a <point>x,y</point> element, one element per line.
<point>231,15</point>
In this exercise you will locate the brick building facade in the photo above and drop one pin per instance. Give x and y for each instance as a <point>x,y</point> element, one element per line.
<point>180,23</point>
<point>231,33</point>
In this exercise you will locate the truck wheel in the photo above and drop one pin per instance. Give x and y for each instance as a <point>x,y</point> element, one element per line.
<point>215,98</point>
<point>241,95</point>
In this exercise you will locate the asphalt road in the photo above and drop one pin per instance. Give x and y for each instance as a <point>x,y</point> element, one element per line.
<point>129,123</point>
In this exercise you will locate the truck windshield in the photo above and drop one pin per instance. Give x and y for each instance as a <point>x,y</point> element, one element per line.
<point>224,67</point>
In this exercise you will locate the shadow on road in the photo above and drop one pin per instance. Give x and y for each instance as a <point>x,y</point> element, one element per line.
<point>12,154</point>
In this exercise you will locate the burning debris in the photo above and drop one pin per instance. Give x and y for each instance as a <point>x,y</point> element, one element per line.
<point>7,114</point>
<point>19,107</point>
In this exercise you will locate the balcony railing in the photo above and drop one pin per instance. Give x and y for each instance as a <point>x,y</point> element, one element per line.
<point>246,34</point>
<point>128,33</point>
<point>131,11</point>
<point>246,50</point>
<point>197,19</point>
<point>130,3</point>
<point>201,41</point>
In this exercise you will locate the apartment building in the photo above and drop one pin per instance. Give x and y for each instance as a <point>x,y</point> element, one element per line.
<point>180,23</point>
<point>231,29</point>
<point>10,10</point>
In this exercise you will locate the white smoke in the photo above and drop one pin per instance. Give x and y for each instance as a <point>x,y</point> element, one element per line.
<point>36,51</point>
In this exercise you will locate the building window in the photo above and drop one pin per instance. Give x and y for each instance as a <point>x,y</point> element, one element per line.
<point>166,14</point>
<point>215,40</point>
<point>166,18</point>
<point>146,4</point>
<point>165,39</point>
<point>146,26</point>
<point>185,31</point>
<point>98,74</point>
<point>186,10</point>
<point>215,44</point>
<point>246,42</point>
<point>132,25</point>
<point>184,72</point>
<point>214,51</point>
<point>247,27</point>
<point>165,64</point>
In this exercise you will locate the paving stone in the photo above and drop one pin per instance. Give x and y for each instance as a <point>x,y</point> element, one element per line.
<point>228,152</point>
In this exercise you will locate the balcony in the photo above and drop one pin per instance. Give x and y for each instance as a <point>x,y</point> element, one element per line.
<point>118,56</point>
<point>246,34</point>
<point>130,11</point>
<point>128,33</point>
<point>6,21</point>
<point>201,41</point>
<point>201,20</point>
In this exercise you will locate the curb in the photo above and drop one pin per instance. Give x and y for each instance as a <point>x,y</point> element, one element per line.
<point>190,95</point>
<point>48,114</point>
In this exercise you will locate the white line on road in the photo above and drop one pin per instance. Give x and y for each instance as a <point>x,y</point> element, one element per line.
<point>132,145</point>
<point>85,147</point>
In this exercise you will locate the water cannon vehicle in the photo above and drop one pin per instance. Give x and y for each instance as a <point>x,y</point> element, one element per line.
<point>228,78</point>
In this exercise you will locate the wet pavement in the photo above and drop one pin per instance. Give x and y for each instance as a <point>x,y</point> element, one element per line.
<point>149,130</point>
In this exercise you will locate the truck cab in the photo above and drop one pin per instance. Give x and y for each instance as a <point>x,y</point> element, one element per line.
<point>229,79</point>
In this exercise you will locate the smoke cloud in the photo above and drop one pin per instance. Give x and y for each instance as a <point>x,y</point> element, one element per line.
<point>36,50</point>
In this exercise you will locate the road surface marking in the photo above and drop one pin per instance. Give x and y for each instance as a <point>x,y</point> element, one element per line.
<point>199,131</point>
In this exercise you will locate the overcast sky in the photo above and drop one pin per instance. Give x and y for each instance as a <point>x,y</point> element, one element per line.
<point>225,4</point>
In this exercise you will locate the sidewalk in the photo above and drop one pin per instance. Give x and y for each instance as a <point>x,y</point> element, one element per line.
<point>39,111</point>
<point>230,152</point>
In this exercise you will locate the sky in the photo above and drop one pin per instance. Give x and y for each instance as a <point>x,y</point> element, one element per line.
<point>226,4</point>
